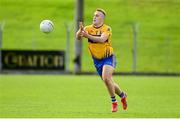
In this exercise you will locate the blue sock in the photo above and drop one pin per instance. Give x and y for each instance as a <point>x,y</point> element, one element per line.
<point>113,99</point>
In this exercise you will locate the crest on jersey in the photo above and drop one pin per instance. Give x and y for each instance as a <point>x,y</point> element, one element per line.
<point>108,29</point>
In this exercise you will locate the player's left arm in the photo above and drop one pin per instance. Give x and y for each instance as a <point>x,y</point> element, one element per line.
<point>101,39</point>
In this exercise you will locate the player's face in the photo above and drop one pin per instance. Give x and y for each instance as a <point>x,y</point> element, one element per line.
<point>98,18</point>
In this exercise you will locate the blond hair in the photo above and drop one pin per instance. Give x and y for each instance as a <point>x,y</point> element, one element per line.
<point>101,10</point>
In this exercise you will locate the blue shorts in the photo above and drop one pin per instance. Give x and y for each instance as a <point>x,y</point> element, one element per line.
<point>99,63</point>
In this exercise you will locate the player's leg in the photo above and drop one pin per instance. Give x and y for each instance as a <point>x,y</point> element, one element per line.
<point>107,78</point>
<point>107,72</point>
<point>118,90</point>
<point>121,94</point>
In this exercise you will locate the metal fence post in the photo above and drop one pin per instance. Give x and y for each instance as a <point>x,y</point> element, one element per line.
<point>1,33</point>
<point>67,47</point>
<point>135,32</point>
<point>1,42</point>
<point>168,54</point>
<point>78,43</point>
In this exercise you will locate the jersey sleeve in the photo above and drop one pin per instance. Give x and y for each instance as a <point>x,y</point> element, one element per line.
<point>86,28</point>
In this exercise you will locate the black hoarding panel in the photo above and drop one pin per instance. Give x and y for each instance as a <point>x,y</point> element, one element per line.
<point>33,60</point>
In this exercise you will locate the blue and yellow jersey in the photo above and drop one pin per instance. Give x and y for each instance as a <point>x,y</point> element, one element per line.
<point>99,50</point>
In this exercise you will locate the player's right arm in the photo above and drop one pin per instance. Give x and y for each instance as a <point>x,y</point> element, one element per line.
<point>79,32</point>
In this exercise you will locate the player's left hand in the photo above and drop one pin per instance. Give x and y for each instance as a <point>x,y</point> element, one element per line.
<point>84,34</point>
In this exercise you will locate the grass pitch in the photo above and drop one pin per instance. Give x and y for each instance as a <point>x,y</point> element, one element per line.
<point>157,39</point>
<point>86,96</point>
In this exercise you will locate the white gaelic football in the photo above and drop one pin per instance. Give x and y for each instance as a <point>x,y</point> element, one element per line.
<point>46,26</point>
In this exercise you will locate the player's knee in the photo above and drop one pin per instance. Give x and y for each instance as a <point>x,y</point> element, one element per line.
<point>106,78</point>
